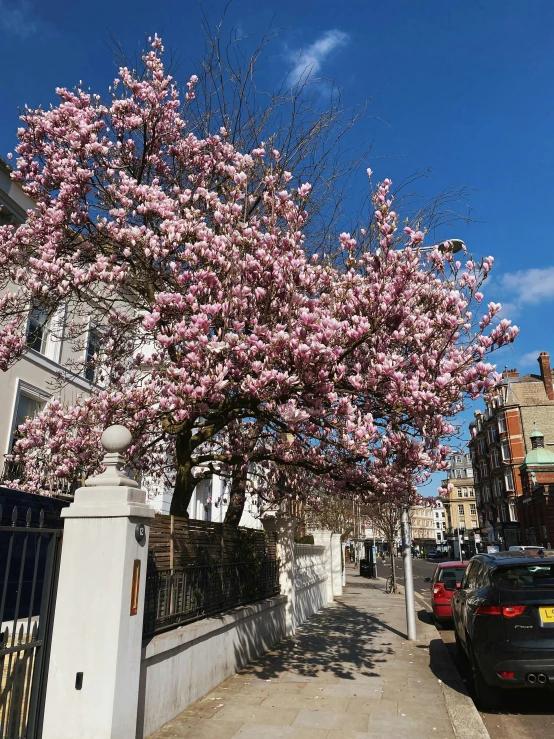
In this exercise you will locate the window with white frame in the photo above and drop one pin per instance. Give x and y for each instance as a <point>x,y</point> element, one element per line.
<point>473,523</point>
<point>472,509</point>
<point>94,344</point>
<point>502,424</point>
<point>45,331</point>
<point>495,458</point>
<point>505,448</point>
<point>469,473</point>
<point>460,510</point>
<point>29,401</point>
<point>460,493</point>
<point>509,480</point>
<point>512,511</point>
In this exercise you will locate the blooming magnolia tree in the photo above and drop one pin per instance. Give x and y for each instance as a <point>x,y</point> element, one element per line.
<point>222,342</point>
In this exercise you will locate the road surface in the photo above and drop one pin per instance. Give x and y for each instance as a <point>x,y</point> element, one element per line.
<point>527,714</point>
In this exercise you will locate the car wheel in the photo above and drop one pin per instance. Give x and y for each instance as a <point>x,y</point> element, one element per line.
<point>488,698</point>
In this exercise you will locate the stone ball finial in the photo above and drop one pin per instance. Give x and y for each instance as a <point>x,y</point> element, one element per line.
<point>116,439</point>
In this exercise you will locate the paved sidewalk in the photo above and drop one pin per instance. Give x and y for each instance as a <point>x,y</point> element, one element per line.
<point>348,673</point>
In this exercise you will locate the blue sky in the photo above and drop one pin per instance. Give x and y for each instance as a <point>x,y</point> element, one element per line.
<point>463,87</point>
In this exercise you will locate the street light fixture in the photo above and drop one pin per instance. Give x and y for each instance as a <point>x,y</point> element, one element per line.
<point>450,245</point>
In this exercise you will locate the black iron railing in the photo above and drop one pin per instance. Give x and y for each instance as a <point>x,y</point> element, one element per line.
<point>29,558</point>
<point>176,597</point>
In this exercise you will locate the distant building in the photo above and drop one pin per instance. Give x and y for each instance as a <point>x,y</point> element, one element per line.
<point>422,521</point>
<point>460,505</point>
<point>439,513</point>
<point>500,439</point>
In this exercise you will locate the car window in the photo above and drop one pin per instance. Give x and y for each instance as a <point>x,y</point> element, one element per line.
<point>471,574</point>
<point>519,577</point>
<point>481,576</point>
<point>451,573</point>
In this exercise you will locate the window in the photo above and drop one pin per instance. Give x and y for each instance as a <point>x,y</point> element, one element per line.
<point>495,458</point>
<point>460,510</point>
<point>26,408</point>
<point>502,424</point>
<point>469,473</point>
<point>466,493</point>
<point>458,459</point>
<point>509,480</point>
<point>472,509</point>
<point>492,434</point>
<point>458,474</point>
<point>451,573</point>
<point>503,512</point>
<point>512,510</point>
<point>525,576</point>
<point>45,332</point>
<point>470,578</point>
<point>92,352</point>
<point>439,536</point>
<point>437,514</point>
<point>473,524</point>
<point>460,493</point>
<point>443,514</point>
<point>37,329</point>
<point>462,523</point>
<point>486,493</point>
<point>482,446</point>
<point>505,451</point>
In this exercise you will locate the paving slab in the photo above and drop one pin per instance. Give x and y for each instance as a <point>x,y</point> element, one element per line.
<point>349,672</point>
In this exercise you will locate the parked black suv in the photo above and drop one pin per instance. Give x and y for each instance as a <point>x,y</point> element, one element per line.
<point>504,622</point>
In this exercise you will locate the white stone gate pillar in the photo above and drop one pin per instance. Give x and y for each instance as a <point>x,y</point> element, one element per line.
<point>284,528</point>
<point>93,679</point>
<point>323,539</point>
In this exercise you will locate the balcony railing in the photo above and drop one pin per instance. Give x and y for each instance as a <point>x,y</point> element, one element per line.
<point>57,487</point>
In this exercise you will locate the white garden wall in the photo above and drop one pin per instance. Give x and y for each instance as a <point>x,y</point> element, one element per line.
<point>309,581</point>
<point>182,665</point>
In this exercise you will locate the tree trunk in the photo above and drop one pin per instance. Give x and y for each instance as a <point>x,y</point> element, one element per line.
<point>237,498</point>
<point>184,479</point>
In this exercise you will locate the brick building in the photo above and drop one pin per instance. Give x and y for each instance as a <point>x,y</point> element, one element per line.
<point>536,504</point>
<point>500,439</point>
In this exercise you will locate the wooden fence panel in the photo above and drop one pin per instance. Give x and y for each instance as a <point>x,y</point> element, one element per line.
<point>178,542</point>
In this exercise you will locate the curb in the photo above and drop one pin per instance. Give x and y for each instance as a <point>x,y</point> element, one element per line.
<point>464,716</point>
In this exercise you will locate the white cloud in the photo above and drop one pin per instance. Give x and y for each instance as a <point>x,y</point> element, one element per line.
<point>308,61</point>
<point>19,19</point>
<point>529,286</point>
<point>530,359</point>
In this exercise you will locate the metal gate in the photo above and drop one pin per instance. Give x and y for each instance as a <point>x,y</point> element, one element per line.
<point>29,561</point>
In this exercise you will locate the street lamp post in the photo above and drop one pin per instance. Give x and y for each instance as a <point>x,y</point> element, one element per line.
<point>408,576</point>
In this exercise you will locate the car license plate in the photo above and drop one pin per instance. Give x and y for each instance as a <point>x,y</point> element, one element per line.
<point>547,614</point>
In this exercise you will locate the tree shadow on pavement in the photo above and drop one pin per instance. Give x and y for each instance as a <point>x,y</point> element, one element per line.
<point>338,642</point>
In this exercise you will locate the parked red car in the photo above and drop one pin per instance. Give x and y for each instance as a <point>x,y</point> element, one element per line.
<point>444,583</point>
